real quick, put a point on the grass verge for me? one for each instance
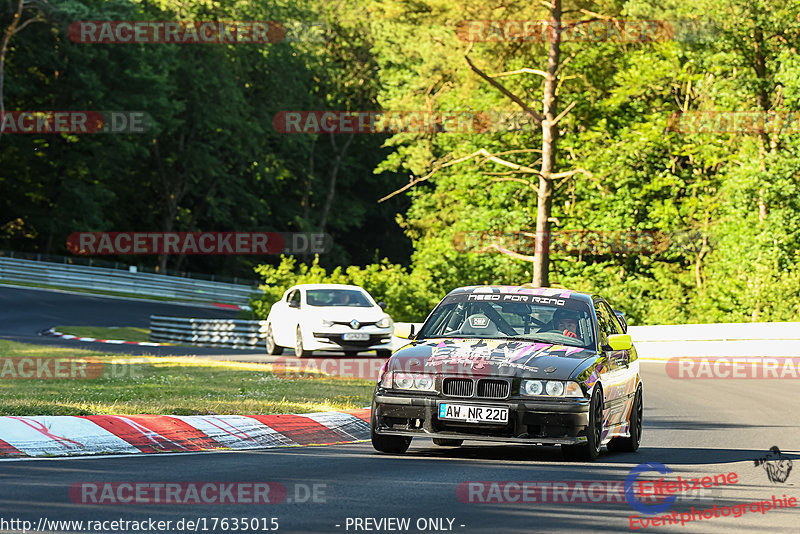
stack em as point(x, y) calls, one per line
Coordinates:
point(168, 386)
point(126, 333)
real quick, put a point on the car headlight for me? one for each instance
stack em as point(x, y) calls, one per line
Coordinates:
point(403, 381)
point(326, 322)
point(385, 322)
point(386, 376)
point(555, 388)
point(550, 388)
point(424, 382)
point(411, 381)
point(573, 390)
point(531, 387)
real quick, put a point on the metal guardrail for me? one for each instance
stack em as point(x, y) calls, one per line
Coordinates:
point(230, 333)
point(717, 340)
point(652, 342)
point(94, 261)
point(105, 279)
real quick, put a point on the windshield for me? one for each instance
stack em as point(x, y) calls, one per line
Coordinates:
point(337, 297)
point(529, 318)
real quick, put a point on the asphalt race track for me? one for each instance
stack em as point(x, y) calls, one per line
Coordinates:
point(26, 312)
point(695, 427)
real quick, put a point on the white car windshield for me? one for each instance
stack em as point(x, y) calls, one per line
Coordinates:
point(337, 297)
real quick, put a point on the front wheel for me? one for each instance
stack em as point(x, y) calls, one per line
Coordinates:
point(272, 348)
point(594, 432)
point(383, 353)
point(388, 444)
point(299, 351)
point(631, 444)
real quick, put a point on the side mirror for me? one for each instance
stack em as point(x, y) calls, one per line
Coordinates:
point(620, 342)
point(293, 304)
point(621, 317)
point(382, 305)
point(404, 330)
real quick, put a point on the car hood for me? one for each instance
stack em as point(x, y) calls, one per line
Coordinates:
point(491, 357)
point(346, 313)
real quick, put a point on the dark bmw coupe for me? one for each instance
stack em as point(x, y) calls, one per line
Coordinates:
point(513, 364)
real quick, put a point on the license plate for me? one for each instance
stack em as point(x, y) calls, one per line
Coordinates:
point(473, 414)
point(355, 336)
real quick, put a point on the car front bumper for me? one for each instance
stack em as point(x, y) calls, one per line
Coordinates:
point(333, 339)
point(529, 421)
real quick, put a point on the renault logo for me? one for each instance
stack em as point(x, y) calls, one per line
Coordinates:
point(355, 325)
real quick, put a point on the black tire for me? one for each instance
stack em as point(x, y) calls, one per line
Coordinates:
point(594, 432)
point(299, 351)
point(631, 444)
point(272, 348)
point(442, 442)
point(383, 353)
point(387, 444)
point(351, 353)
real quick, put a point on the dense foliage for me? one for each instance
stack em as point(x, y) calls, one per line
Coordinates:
point(718, 212)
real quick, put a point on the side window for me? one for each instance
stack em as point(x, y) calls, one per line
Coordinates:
point(294, 298)
point(606, 322)
point(612, 319)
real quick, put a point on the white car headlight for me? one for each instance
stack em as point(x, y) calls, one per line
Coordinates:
point(423, 382)
point(403, 381)
point(326, 322)
point(550, 388)
point(555, 388)
point(417, 382)
point(385, 322)
point(531, 387)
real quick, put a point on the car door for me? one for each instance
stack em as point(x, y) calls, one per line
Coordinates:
point(285, 323)
point(619, 380)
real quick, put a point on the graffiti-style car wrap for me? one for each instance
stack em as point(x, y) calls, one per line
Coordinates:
point(513, 364)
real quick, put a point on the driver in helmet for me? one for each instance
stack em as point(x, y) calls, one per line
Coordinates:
point(566, 323)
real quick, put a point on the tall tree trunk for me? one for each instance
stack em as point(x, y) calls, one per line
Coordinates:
point(10, 31)
point(305, 202)
point(541, 264)
point(333, 173)
point(762, 98)
point(173, 193)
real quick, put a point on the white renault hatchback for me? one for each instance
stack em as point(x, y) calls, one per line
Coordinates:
point(336, 317)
